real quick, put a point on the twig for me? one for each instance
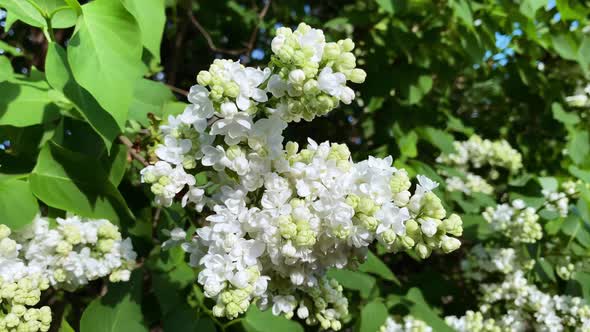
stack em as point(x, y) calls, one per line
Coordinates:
point(177, 90)
point(240, 51)
point(156, 219)
point(261, 16)
point(132, 150)
point(178, 42)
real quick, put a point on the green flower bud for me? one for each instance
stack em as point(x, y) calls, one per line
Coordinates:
point(233, 152)
point(4, 231)
point(339, 152)
point(367, 206)
point(287, 228)
point(453, 225)
point(346, 61)
point(218, 311)
point(311, 87)
point(204, 78)
point(336, 325)
point(189, 162)
point(331, 51)
point(232, 310)
point(407, 242)
point(59, 275)
point(72, 234)
point(109, 231)
point(422, 250)
point(19, 309)
point(369, 222)
point(353, 200)
point(291, 148)
point(232, 90)
point(389, 236)
point(413, 229)
point(347, 45)
point(357, 76)
point(450, 244)
point(45, 315)
point(105, 246)
point(432, 206)
point(63, 248)
point(296, 202)
point(226, 297)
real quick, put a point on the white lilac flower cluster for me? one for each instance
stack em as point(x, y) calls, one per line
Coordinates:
point(581, 99)
point(67, 256)
point(525, 308)
point(472, 183)
point(478, 153)
point(546, 312)
point(558, 201)
point(481, 262)
point(278, 216)
point(517, 221)
point(18, 296)
point(474, 321)
point(408, 324)
point(509, 302)
point(565, 265)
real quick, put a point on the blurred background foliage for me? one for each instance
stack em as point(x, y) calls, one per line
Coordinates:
point(437, 71)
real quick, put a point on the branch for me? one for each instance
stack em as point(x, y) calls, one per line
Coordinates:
point(240, 51)
point(132, 151)
point(261, 16)
point(177, 90)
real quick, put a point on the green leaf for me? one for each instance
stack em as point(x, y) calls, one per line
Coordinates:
point(116, 163)
point(564, 117)
point(373, 316)
point(579, 173)
point(475, 227)
point(579, 146)
point(548, 183)
point(18, 206)
point(65, 326)
point(544, 270)
point(6, 71)
point(105, 55)
point(7, 48)
point(75, 5)
point(149, 97)
point(25, 103)
point(24, 11)
point(386, 5)
point(529, 7)
point(172, 108)
point(60, 78)
point(169, 288)
point(264, 321)
point(77, 183)
point(572, 10)
point(439, 138)
point(151, 17)
point(118, 310)
point(374, 265)
point(419, 89)
point(584, 55)
point(565, 46)
point(422, 310)
point(462, 9)
point(359, 281)
point(407, 144)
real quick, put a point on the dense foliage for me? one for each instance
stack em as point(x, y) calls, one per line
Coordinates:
point(146, 184)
